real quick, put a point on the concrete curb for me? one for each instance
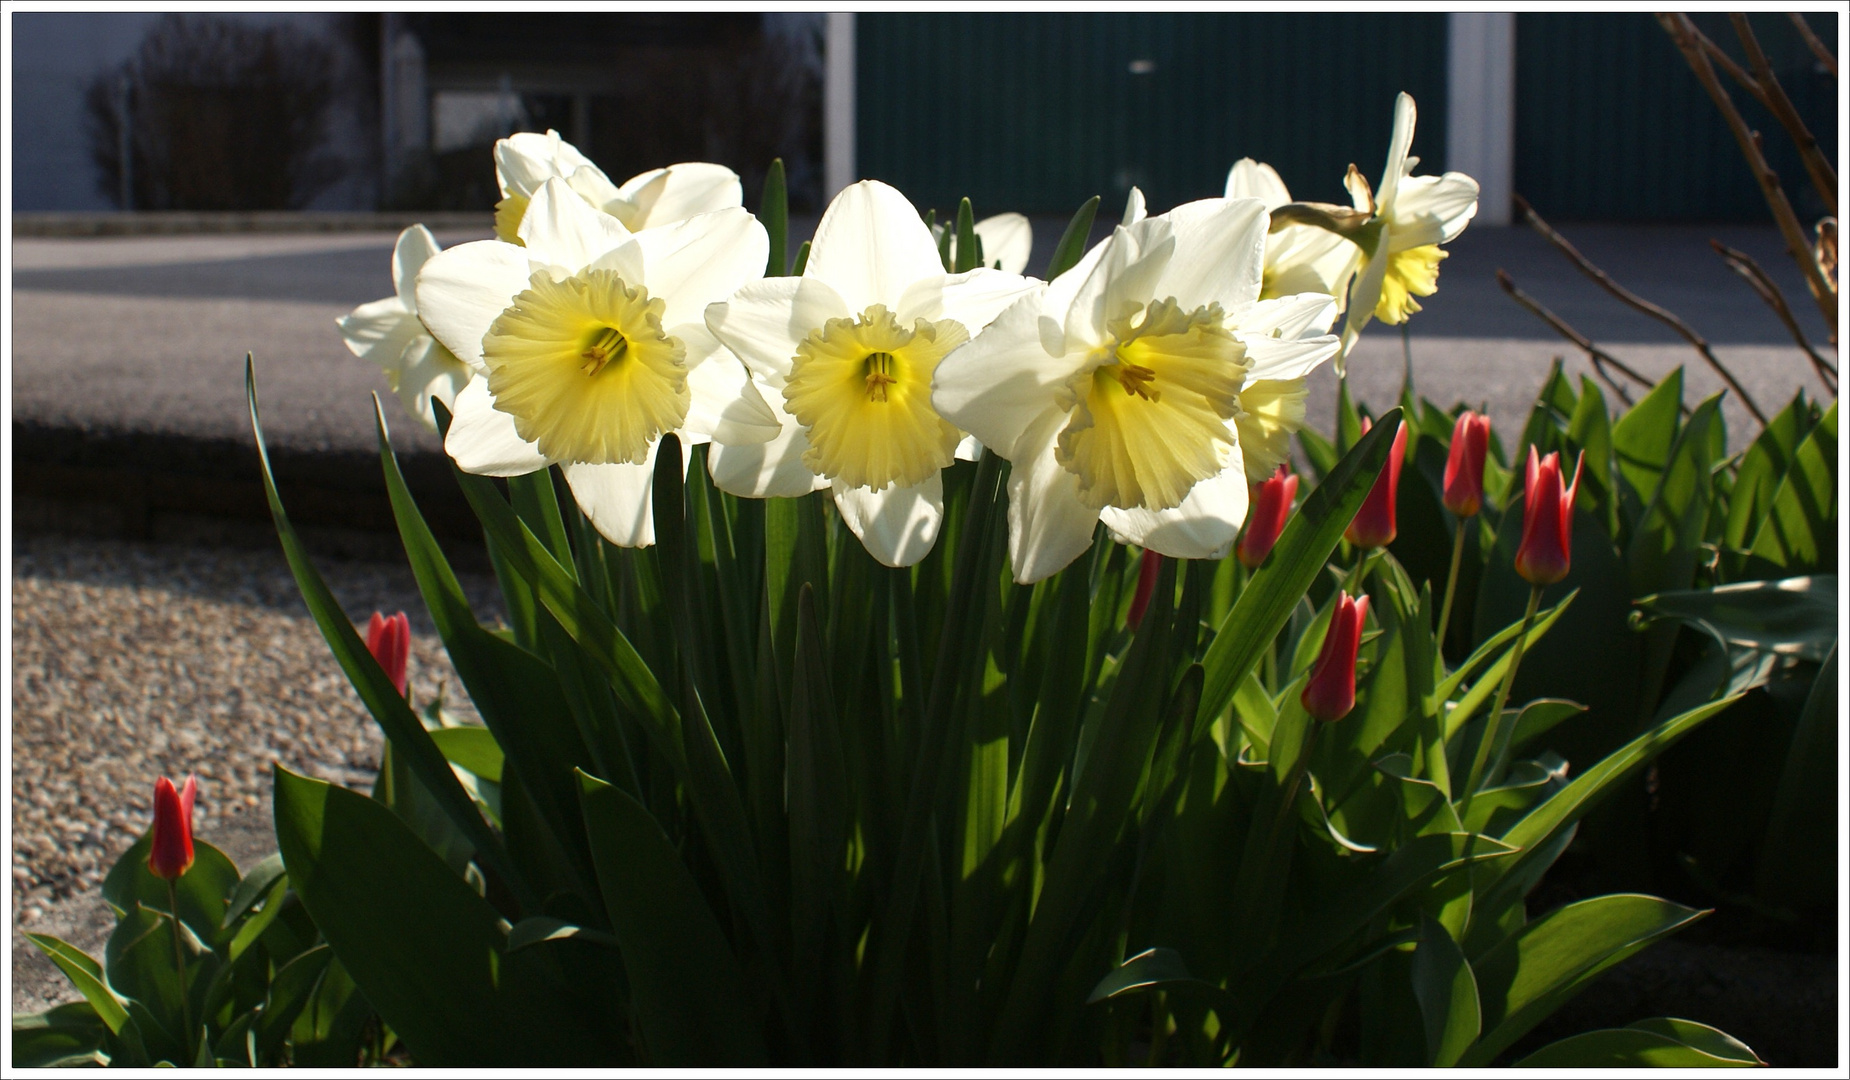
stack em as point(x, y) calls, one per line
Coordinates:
point(186, 222)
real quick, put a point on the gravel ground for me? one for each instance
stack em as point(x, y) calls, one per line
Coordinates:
point(132, 661)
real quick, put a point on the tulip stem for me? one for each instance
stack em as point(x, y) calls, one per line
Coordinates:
point(1496, 732)
point(1451, 582)
point(179, 963)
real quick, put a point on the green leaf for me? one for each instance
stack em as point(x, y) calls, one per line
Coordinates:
point(290, 992)
point(1800, 530)
point(1762, 467)
point(473, 748)
point(1624, 1048)
point(1266, 603)
point(1702, 1037)
point(685, 985)
point(381, 697)
point(68, 1034)
point(1072, 245)
point(86, 975)
point(425, 950)
point(1319, 451)
point(254, 886)
point(1584, 792)
point(1791, 617)
point(1663, 549)
point(1447, 992)
point(1157, 969)
point(139, 961)
point(774, 215)
point(1643, 435)
point(538, 928)
point(253, 928)
point(802, 260)
point(1540, 967)
point(967, 257)
point(202, 890)
point(1798, 858)
point(1539, 717)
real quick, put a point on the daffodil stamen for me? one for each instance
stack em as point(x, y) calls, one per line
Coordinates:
point(862, 388)
point(1151, 415)
point(583, 367)
point(607, 345)
point(879, 375)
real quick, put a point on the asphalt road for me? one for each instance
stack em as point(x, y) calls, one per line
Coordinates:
point(149, 334)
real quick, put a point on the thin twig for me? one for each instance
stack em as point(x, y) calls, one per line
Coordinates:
point(1743, 264)
point(1817, 47)
point(1683, 32)
point(1823, 174)
point(1597, 355)
point(1639, 304)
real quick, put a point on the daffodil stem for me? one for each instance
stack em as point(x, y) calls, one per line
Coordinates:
point(1451, 581)
point(1496, 732)
point(179, 963)
point(1406, 356)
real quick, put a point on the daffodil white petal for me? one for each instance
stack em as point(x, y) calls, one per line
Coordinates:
point(463, 290)
point(973, 299)
point(429, 370)
point(1249, 179)
point(1289, 317)
point(1363, 295)
point(617, 498)
point(1306, 259)
point(562, 229)
point(870, 245)
point(1432, 210)
point(1008, 240)
point(766, 470)
point(379, 331)
point(1219, 254)
point(1003, 381)
point(482, 439)
point(724, 404)
point(694, 262)
point(1203, 527)
point(1134, 210)
point(1126, 273)
point(414, 248)
point(968, 449)
point(1398, 146)
point(1048, 526)
point(897, 525)
point(527, 159)
point(1275, 358)
point(681, 191)
point(766, 320)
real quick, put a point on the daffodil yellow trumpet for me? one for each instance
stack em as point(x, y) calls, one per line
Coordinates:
point(1145, 387)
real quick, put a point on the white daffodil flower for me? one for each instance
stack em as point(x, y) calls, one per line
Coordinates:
point(1409, 217)
point(1298, 258)
point(846, 353)
point(525, 161)
point(1117, 390)
point(589, 346)
point(388, 333)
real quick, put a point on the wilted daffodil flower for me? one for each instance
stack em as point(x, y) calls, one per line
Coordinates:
point(525, 161)
point(1116, 390)
point(388, 333)
point(590, 344)
point(846, 353)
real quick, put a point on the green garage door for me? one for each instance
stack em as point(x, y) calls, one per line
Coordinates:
point(1612, 124)
point(1036, 113)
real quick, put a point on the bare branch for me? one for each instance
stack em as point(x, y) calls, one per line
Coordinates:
point(1639, 304)
point(1727, 64)
point(1743, 264)
point(1817, 47)
point(1773, 96)
point(1597, 355)
point(1684, 34)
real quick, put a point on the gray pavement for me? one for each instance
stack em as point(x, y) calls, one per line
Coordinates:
point(147, 335)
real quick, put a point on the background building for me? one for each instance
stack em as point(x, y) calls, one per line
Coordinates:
point(1590, 116)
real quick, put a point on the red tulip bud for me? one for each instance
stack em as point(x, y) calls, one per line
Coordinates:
point(1373, 525)
point(171, 853)
point(1330, 693)
point(1547, 521)
point(1147, 570)
point(1464, 465)
point(389, 640)
point(1265, 519)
